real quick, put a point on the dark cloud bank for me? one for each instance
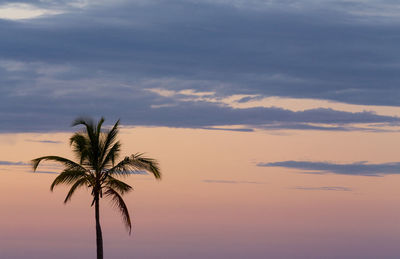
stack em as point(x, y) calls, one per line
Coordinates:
point(98, 60)
point(194, 115)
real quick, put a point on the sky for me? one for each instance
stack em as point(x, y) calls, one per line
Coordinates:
point(276, 123)
point(224, 194)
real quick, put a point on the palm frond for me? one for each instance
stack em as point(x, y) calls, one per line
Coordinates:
point(118, 185)
point(121, 168)
point(119, 203)
point(151, 164)
point(112, 154)
point(99, 124)
point(68, 176)
point(109, 149)
point(79, 183)
point(135, 163)
point(89, 124)
point(64, 161)
point(94, 139)
point(86, 121)
point(80, 145)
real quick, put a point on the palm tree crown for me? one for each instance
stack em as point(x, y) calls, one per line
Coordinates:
point(97, 151)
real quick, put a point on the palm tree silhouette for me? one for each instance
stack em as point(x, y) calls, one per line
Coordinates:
point(97, 151)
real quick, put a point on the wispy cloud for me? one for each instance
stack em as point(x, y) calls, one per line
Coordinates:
point(323, 188)
point(13, 163)
point(230, 129)
point(44, 172)
point(19, 11)
point(358, 168)
point(383, 127)
point(231, 182)
point(139, 172)
point(44, 141)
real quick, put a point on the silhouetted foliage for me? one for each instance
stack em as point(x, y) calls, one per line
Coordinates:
point(97, 151)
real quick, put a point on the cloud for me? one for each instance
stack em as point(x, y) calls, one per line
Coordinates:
point(60, 6)
point(358, 168)
point(328, 127)
point(231, 182)
point(323, 188)
point(18, 11)
point(183, 114)
point(12, 163)
point(230, 129)
point(98, 57)
point(205, 114)
point(43, 172)
point(137, 172)
point(44, 141)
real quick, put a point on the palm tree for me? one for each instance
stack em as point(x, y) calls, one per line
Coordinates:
point(97, 152)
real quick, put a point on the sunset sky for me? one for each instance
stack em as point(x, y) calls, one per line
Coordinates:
point(276, 124)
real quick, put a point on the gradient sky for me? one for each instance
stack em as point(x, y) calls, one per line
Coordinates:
point(276, 122)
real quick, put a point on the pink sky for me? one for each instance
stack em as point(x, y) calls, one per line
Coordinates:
point(213, 200)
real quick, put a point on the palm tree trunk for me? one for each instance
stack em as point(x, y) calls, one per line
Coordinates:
point(99, 236)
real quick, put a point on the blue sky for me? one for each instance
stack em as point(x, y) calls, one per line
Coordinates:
point(173, 63)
